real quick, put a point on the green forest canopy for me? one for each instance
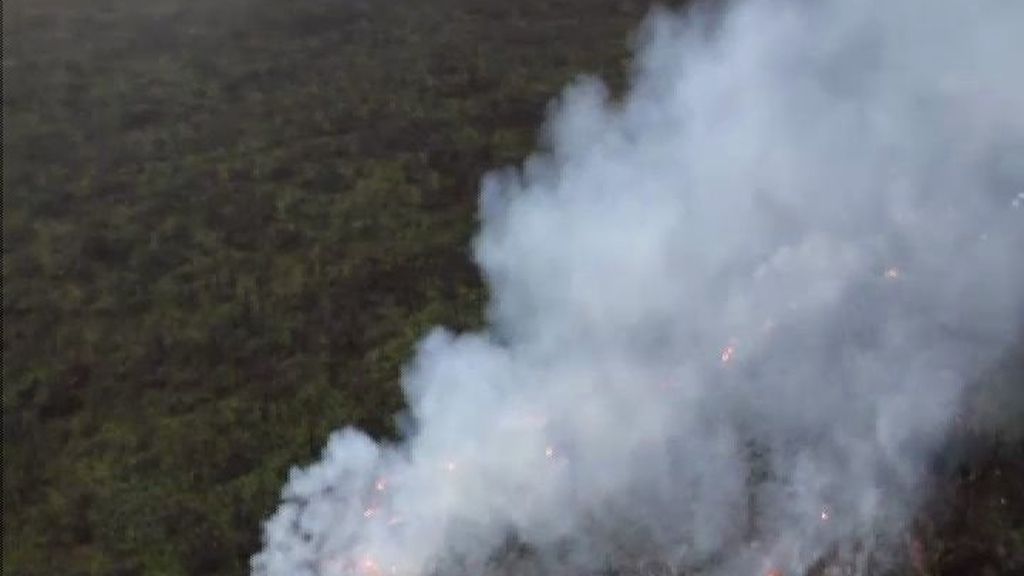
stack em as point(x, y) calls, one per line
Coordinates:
point(225, 226)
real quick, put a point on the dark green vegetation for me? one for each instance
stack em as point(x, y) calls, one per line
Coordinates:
point(225, 225)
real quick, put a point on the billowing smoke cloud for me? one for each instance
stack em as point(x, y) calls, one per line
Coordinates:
point(732, 316)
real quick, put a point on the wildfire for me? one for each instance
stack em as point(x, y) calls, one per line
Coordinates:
point(825, 515)
point(728, 353)
point(369, 566)
point(381, 485)
point(549, 452)
point(774, 572)
point(893, 273)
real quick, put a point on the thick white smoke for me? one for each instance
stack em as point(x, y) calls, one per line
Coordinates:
point(732, 316)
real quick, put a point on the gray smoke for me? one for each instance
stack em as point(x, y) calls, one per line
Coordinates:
point(733, 315)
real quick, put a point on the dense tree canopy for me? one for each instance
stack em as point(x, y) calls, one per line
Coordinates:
point(225, 226)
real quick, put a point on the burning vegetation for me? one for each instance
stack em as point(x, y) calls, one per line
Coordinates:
point(738, 318)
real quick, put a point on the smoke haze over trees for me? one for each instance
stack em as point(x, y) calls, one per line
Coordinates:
point(227, 225)
point(733, 317)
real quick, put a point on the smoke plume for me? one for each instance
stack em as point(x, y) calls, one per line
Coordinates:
point(733, 314)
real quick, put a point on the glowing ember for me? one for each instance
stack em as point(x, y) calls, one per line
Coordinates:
point(728, 353)
point(825, 515)
point(774, 572)
point(893, 273)
point(370, 567)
